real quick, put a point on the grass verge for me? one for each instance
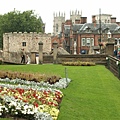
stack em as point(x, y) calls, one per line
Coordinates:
point(93, 94)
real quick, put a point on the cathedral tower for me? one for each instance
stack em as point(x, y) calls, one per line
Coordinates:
point(75, 15)
point(57, 22)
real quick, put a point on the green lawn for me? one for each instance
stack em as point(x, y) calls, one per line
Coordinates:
point(93, 94)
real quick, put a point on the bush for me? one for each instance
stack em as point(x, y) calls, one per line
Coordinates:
point(37, 77)
point(78, 63)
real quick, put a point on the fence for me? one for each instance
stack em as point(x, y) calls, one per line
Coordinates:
point(113, 64)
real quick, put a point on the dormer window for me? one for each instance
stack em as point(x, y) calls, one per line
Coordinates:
point(99, 30)
point(87, 29)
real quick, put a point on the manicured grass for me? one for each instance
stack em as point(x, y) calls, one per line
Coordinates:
point(93, 94)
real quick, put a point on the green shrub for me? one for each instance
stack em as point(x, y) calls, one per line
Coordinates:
point(78, 63)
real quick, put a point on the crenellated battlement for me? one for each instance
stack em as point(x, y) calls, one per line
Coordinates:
point(59, 19)
point(26, 33)
point(76, 12)
point(60, 14)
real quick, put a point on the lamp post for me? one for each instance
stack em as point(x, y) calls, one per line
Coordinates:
point(109, 35)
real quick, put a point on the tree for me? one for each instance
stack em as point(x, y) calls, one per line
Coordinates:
point(16, 21)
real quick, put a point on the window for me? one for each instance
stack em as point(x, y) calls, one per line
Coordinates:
point(119, 42)
point(116, 42)
point(66, 35)
point(56, 27)
point(83, 42)
point(88, 41)
point(92, 42)
point(23, 43)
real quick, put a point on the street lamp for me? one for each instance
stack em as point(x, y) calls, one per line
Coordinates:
point(109, 35)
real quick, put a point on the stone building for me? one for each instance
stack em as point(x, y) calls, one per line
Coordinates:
point(75, 15)
point(14, 42)
point(57, 23)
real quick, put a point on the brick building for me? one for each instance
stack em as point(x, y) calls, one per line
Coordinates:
point(89, 36)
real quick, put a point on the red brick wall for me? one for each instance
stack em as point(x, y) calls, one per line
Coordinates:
point(68, 22)
point(77, 21)
point(83, 20)
point(113, 20)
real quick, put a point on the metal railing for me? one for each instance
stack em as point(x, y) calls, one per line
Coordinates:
point(113, 64)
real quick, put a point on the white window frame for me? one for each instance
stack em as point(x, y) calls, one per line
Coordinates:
point(92, 41)
point(88, 42)
point(83, 41)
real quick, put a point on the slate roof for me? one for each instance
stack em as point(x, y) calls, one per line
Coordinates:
point(81, 28)
point(94, 28)
point(76, 27)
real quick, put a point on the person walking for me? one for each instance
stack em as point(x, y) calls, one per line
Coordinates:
point(116, 53)
point(22, 56)
point(28, 59)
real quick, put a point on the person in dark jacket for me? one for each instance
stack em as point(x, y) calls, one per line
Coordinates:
point(22, 56)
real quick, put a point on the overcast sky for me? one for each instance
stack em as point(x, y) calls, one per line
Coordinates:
point(46, 8)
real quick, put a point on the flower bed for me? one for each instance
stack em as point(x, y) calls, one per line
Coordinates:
point(78, 63)
point(37, 77)
point(29, 99)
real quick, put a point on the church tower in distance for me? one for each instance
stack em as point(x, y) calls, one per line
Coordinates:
point(57, 23)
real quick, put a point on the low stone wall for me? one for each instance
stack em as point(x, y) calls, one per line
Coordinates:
point(97, 58)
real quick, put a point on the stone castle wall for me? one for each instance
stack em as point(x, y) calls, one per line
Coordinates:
point(14, 42)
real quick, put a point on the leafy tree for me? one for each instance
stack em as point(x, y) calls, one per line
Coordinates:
point(16, 21)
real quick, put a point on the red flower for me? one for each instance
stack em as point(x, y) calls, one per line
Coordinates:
point(35, 104)
point(25, 101)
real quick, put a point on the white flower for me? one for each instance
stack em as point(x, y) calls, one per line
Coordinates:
point(12, 104)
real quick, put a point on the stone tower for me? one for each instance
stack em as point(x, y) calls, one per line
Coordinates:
point(57, 22)
point(75, 15)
